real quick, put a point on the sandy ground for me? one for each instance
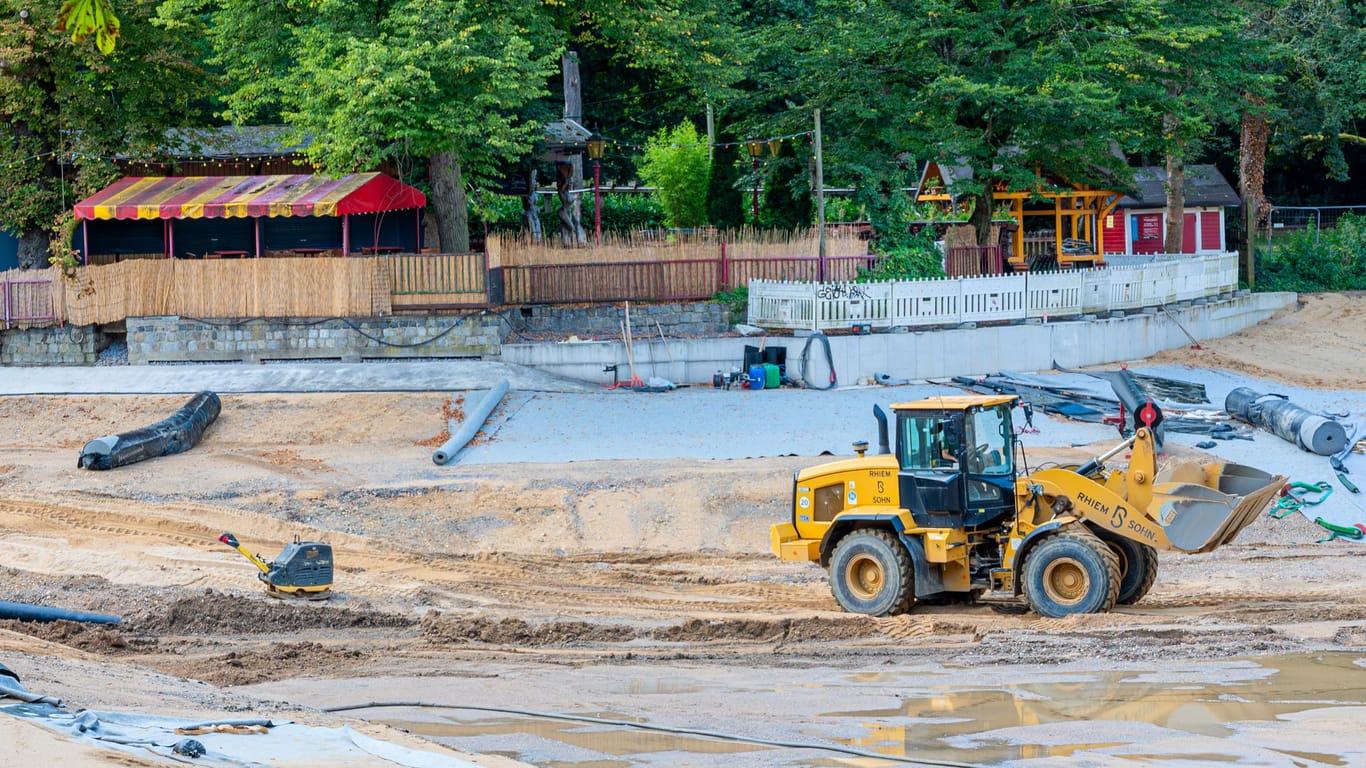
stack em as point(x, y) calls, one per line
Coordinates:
point(444, 572)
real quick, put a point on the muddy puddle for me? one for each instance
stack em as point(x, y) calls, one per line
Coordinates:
point(1303, 710)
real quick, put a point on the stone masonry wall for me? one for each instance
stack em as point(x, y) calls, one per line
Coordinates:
point(697, 319)
point(68, 345)
point(176, 339)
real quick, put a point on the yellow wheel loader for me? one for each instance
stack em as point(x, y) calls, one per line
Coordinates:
point(952, 514)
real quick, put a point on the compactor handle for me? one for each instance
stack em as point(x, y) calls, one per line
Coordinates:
point(230, 540)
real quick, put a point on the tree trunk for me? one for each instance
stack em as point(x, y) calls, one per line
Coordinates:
point(983, 206)
point(33, 248)
point(1252, 161)
point(1252, 183)
point(448, 203)
point(1176, 203)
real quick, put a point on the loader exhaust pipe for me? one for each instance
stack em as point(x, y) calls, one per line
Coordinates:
point(883, 444)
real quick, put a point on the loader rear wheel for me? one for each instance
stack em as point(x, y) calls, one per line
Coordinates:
point(1072, 571)
point(870, 572)
point(1137, 568)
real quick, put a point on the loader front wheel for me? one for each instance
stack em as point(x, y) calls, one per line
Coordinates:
point(1137, 568)
point(870, 572)
point(1072, 571)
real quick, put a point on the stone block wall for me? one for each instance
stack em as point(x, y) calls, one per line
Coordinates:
point(604, 321)
point(178, 339)
point(67, 345)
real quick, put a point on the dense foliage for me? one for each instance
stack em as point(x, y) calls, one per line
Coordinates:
point(453, 96)
point(1310, 260)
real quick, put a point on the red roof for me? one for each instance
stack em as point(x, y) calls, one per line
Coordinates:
point(226, 197)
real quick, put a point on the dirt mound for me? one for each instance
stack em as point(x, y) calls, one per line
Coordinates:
point(448, 630)
point(217, 613)
point(284, 660)
point(94, 638)
point(443, 630)
point(788, 630)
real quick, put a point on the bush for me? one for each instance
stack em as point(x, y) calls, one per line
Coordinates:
point(676, 164)
point(1336, 262)
point(913, 257)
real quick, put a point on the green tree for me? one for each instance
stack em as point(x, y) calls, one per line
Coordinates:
point(725, 203)
point(1310, 55)
point(420, 85)
point(66, 111)
point(787, 192)
point(1176, 64)
point(676, 163)
point(1018, 91)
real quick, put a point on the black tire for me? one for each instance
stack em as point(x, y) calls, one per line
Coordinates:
point(1071, 571)
point(870, 572)
point(1137, 569)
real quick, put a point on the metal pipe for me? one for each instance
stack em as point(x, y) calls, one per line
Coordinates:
point(1279, 416)
point(26, 612)
point(473, 421)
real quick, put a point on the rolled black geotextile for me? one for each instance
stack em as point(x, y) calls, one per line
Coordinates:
point(176, 434)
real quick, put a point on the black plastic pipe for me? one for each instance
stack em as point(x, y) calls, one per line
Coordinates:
point(26, 612)
point(176, 434)
point(1279, 416)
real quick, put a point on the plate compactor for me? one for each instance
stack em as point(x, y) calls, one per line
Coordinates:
point(303, 569)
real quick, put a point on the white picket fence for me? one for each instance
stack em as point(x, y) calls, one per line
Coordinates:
point(1158, 280)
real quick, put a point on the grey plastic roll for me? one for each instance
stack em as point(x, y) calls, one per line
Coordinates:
point(1276, 414)
point(473, 421)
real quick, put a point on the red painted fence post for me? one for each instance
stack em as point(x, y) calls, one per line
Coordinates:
point(725, 268)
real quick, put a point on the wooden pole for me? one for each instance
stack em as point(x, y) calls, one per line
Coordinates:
point(820, 195)
point(711, 135)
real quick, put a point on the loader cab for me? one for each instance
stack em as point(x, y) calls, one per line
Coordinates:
point(957, 460)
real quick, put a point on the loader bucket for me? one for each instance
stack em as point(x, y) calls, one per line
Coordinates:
point(1201, 507)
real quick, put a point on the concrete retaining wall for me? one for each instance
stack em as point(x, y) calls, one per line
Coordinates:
point(177, 339)
point(924, 354)
point(69, 345)
point(695, 319)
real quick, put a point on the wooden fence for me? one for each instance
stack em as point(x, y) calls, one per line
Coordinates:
point(512, 272)
point(27, 298)
point(691, 267)
point(918, 303)
point(425, 281)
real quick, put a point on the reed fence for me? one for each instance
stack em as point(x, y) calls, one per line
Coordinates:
point(303, 287)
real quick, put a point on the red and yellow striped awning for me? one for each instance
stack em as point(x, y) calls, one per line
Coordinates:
point(227, 197)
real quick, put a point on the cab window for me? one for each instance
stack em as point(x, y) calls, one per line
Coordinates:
point(988, 433)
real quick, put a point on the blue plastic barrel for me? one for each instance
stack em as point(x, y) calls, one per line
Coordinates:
point(756, 376)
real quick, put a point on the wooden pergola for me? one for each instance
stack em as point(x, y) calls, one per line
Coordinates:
point(1078, 212)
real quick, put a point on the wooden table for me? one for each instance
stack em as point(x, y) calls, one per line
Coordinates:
point(308, 251)
point(374, 249)
point(226, 255)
